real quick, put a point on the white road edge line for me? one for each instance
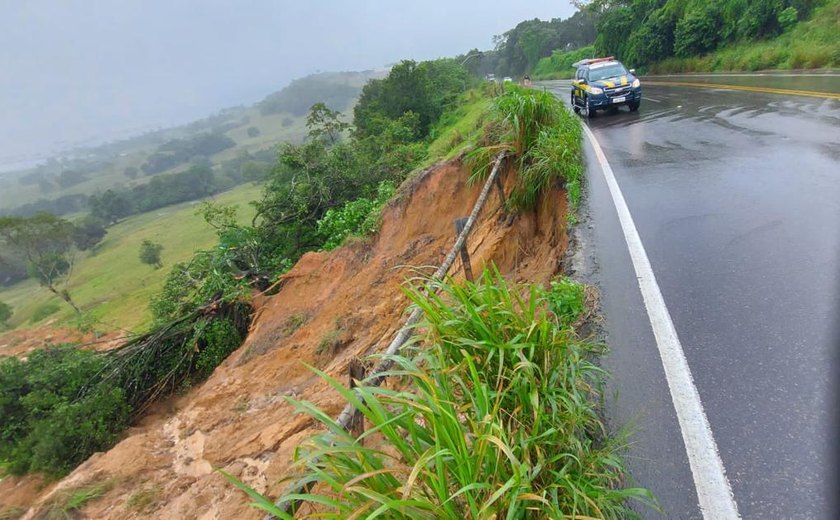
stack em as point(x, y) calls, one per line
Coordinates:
point(713, 490)
point(651, 99)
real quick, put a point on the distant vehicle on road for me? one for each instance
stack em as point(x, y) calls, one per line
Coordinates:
point(507, 79)
point(604, 83)
point(490, 77)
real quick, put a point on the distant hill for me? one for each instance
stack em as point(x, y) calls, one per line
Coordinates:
point(337, 90)
point(62, 185)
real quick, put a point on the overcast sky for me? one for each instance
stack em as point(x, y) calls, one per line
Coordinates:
point(78, 70)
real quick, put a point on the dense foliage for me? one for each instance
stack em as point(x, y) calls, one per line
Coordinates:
point(50, 424)
point(196, 182)
point(641, 32)
point(425, 90)
point(358, 217)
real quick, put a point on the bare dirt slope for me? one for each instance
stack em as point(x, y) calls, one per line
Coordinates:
point(330, 308)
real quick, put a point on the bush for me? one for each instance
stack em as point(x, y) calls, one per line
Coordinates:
point(220, 338)
point(150, 253)
point(51, 420)
point(44, 311)
point(788, 18)
point(358, 217)
point(5, 312)
point(542, 137)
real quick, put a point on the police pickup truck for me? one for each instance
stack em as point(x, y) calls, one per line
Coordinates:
point(604, 83)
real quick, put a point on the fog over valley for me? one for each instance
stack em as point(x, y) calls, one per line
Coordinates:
point(81, 73)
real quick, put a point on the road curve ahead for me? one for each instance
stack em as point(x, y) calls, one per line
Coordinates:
point(735, 199)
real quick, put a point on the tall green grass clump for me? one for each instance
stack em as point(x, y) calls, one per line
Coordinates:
point(497, 417)
point(543, 138)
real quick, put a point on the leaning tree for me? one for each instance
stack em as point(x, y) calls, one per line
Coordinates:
point(47, 243)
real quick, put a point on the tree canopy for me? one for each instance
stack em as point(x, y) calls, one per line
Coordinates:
point(46, 242)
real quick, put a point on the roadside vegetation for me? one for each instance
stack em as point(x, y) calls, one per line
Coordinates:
point(809, 44)
point(670, 36)
point(496, 409)
point(678, 36)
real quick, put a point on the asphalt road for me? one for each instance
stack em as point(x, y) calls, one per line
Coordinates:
point(736, 199)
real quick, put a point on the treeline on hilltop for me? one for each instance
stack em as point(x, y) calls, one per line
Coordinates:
point(334, 89)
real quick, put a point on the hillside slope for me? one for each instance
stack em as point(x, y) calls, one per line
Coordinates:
point(330, 307)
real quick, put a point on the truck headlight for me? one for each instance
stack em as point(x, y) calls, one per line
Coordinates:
point(595, 90)
point(636, 83)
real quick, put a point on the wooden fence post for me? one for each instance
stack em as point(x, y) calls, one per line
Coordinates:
point(465, 255)
point(356, 371)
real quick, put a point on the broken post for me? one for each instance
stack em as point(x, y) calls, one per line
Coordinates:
point(356, 371)
point(501, 192)
point(465, 255)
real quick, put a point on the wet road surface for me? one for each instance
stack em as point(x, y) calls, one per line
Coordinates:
point(736, 198)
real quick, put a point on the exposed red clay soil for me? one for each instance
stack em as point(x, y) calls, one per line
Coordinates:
point(20, 342)
point(349, 301)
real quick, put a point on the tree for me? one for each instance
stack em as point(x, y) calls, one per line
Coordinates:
point(5, 313)
point(150, 253)
point(110, 206)
point(697, 32)
point(89, 232)
point(69, 178)
point(425, 89)
point(253, 131)
point(131, 172)
point(46, 241)
point(325, 124)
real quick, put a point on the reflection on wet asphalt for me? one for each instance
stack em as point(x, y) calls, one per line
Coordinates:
point(736, 196)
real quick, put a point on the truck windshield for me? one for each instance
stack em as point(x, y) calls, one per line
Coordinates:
point(610, 71)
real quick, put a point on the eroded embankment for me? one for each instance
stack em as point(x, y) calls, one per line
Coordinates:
point(330, 308)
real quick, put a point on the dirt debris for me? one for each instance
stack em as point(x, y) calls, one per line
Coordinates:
point(238, 419)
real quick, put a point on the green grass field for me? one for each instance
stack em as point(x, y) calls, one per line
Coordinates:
point(112, 284)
